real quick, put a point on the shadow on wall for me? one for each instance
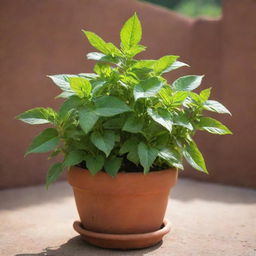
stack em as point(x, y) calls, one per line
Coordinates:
point(78, 247)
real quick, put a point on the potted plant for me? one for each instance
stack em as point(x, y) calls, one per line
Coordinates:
point(124, 131)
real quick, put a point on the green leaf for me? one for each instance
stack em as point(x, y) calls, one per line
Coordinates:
point(44, 142)
point(187, 83)
point(102, 69)
point(81, 86)
point(104, 142)
point(134, 50)
point(38, 116)
point(114, 123)
point(147, 88)
point(177, 64)
point(166, 95)
point(110, 106)
point(87, 119)
point(73, 158)
point(171, 156)
point(147, 156)
point(113, 50)
point(112, 165)
point(164, 63)
point(53, 173)
point(98, 43)
point(162, 117)
point(65, 95)
point(102, 57)
point(205, 94)
point(181, 119)
point(89, 76)
point(194, 157)
point(71, 103)
point(140, 64)
point(133, 124)
point(133, 156)
point(94, 164)
point(179, 97)
point(130, 146)
point(97, 86)
point(131, 33)
point(215, 106)
point(62, 81)
point(213, 126)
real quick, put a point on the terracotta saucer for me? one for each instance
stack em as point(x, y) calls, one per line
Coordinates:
point(123, 241)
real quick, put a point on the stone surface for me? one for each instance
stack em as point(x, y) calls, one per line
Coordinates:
point(207, 219)
point(44, 37)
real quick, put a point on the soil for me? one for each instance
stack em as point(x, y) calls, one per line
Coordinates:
point(128, 166)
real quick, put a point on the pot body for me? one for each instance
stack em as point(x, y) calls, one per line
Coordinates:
point(129, 203)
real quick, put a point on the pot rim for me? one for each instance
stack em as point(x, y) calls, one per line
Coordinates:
point(138, 183)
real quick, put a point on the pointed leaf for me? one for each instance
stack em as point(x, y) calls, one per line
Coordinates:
point(114, 123)
point(171, 156)
point(96, 41)
point(104, 142)
point(94, 164)
point(164, 118)
point(213, 126)
point(187, 83)
point(38, 116)
point(177, 64)
point(112, 165)
point(215, 106)
point(134, 50)
point(133, 124)
point(164, 63)
point(130, 146)
point(194, 157)
point(147, 156)
point(181, 119)
point(73, 158)
point(147, 88)
point(131, 33)
point(110, 106)
point(44, 142)
point(102, 57)
point(81, 86)
point(72, 103)
point(87, 119)
point(53, 173)
point(205, 94)
point(62, 81)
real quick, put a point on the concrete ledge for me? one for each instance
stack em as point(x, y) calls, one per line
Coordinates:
point(207, 220)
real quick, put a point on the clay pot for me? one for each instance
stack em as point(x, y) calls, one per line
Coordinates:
point(130, 203)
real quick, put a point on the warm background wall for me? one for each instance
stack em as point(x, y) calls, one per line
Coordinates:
point(44, 37)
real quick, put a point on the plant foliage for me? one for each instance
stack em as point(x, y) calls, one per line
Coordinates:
point(125, 112)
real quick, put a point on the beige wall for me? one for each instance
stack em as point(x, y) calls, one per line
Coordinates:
point(44, 37)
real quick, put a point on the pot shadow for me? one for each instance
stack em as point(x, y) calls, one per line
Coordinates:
point(76, 246)
point(188, 189)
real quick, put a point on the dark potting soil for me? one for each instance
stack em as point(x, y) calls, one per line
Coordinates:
point(128, 166)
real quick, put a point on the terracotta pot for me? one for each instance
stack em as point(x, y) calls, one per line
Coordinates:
point(130, 203)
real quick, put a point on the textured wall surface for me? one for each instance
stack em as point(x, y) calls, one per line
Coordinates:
point(44, 37)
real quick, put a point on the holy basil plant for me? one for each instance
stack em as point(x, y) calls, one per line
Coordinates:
point(125, 116)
